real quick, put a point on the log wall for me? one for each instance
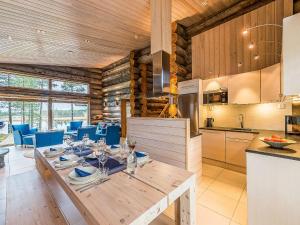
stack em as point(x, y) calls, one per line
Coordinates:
point(82, 75)
point(120, 81)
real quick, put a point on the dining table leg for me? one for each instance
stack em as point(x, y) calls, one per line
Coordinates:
point(188, 206)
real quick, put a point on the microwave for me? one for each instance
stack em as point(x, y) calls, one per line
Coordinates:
point(215, 97)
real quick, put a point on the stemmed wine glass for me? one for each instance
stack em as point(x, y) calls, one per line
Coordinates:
point(85, 139)
point(102, 158)
point(70, 144)
point(131, 143)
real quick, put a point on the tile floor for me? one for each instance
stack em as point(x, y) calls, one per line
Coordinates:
point(221, 197)
point(221, 193)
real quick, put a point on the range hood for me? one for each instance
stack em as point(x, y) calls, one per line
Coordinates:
point(161, 73)
point(161, 45)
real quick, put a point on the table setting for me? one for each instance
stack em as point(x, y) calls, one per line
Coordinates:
point(93, 162)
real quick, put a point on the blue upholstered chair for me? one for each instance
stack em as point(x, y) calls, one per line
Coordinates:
point(23, 135)
point(90, 131)
point(112, 135)
point(48, 138)
point(74, 125)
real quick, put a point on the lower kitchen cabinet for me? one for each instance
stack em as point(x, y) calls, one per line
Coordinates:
point(213, 145)
point(236, 151)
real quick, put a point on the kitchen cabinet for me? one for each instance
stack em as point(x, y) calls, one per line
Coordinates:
point(270, 83)
point(213, 145)
point(244, 88)
point(236, 145)
point(290, 55)
point(215, 84)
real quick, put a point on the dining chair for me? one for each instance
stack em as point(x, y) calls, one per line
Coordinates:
point(112, 136)
point(74, 125)
point(48, 138)
point(89, 130)
point(22, 134)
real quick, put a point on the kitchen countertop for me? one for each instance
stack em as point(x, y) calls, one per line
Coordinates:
point(289, 152)
point(231, 129)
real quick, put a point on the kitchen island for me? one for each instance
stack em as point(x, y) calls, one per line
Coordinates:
point(124, 199)
point(273, 181)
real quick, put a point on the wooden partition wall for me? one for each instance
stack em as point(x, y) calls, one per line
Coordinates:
point(225, 50)
point(82, 75)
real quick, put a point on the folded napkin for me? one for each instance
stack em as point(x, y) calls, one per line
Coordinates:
point(113, 165)
point(81, 173)
point(114, 146)
point(61, 158)
point(84, 152)
point(140, 154)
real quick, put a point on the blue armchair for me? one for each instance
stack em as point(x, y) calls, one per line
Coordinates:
point(43, 139)
point(112, 136)
point(23, 135)
point(90, 131)
point(74, 125)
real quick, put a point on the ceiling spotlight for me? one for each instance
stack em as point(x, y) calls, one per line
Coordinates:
point(240, 64)
point(136, 36)
point(251, 46)
point(245, 32)
point(87, 41)
point(9, 37)
point(256, 57)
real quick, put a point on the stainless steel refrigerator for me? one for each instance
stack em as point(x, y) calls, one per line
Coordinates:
point(188, 107)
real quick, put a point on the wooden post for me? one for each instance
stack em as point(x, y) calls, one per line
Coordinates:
point(143, 68)
point(123, 117)
point(132, 85)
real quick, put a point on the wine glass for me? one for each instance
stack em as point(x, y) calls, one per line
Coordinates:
point(85, 139)
point(101, 142)
point(70, 144)
point(131, 143)
point(102, 157)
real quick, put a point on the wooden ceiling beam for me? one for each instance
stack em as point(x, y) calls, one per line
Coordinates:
point(230, 13)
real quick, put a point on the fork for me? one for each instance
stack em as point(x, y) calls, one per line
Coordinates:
point(93, 184)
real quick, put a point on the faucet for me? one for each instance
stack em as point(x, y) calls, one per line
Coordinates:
point(241, 119)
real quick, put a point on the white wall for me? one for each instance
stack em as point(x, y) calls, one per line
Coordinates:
point(266, 116)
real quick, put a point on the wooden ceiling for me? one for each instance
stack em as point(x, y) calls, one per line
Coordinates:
point(83, 33)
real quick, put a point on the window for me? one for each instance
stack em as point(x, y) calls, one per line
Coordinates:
point(13, 80)
point(18, 112)
point(63, 113)
point(67, 86)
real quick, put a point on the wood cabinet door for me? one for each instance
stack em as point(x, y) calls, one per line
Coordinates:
point(213, 145)
point(244, 88)
point(236, 151)
point(215, 83)
point(270, 83)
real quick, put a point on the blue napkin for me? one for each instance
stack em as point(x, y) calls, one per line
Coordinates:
point(53, 149)
point(61, 158)
point(113, 165)
point(140, 155)
point(114, 146)
point(84, 152)
point(82, 173)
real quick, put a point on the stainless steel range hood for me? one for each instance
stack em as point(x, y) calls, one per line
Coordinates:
point(161, 73)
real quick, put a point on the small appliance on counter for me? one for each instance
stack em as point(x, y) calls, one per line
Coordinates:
point(215, 97)
point(209, 122)
point(292, 124)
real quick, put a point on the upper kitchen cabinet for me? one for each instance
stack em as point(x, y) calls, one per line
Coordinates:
point(215, 84)
point(270, 83)
point(244, 88)
point(291, 55)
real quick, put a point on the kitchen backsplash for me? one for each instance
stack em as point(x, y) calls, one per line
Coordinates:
point(268, 116)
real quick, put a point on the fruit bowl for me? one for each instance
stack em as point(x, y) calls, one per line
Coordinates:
point(277, 142)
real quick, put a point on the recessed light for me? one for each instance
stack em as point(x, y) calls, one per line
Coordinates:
point(9, 37)
point(245, 32)
point(256, 57)
point(87, 41)
point(136, 36)
point(251, 46)
point(240, 64)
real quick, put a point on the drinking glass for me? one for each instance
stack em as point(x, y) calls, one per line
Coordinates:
point(102, 157)
point(131, 143)
point(85, 139)
point(101, 142)
point(70, 145)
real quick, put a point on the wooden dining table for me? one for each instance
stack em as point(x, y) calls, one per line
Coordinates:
point(136, 199)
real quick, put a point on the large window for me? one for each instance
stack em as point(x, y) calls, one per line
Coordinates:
point(18, 112)
point(13, 80)
point(63, 113)
point(67, 86)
